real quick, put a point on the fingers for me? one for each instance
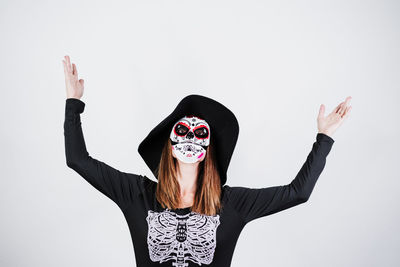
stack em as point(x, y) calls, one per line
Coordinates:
point(74, 70)
point(65, 68)
point(348, 100)
point(336, 110)
point(340, 110)
point(68, 63)
point(344, 107)
point(321, 111)
point(347, 112)
point(68, 68)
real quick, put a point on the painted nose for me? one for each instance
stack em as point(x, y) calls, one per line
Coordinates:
point(190, 135)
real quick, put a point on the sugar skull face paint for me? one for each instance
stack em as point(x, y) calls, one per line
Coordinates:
point(190, 137)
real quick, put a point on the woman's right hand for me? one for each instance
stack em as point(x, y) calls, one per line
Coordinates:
point(73, 85)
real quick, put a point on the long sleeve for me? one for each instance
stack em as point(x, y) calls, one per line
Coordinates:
point(253, 203)
point(119, 186)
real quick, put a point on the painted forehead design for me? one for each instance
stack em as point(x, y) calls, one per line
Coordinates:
point(192, 120)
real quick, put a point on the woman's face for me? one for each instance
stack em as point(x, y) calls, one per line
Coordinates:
point(190, 137)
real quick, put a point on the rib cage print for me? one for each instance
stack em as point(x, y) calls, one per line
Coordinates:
point(181, 238)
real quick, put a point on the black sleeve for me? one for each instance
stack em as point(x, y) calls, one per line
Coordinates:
point(253, 203)
point(119, 186)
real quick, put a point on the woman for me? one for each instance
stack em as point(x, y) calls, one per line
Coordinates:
point(189, 217)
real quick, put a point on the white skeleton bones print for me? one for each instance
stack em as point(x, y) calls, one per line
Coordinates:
point(181, 238)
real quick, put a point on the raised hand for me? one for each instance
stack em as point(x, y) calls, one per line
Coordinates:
point(73, 85)
point(330, 123)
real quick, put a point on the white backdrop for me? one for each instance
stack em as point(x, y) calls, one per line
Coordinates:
point(271, 63)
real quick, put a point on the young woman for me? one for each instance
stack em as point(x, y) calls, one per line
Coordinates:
point(189, 217)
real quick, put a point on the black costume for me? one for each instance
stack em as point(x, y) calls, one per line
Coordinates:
point(180, 237)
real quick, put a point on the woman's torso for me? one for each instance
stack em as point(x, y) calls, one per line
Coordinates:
point(180, 237)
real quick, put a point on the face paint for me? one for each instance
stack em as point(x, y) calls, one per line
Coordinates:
point(190, 137)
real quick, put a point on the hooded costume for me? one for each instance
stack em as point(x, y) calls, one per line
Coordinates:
point(181, 237)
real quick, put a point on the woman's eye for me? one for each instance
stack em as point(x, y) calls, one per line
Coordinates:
point(181, 129)
point(201, 132)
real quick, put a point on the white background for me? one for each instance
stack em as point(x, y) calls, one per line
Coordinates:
point(271, 63)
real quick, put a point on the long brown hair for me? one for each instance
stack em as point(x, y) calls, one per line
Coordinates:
point(208, 188)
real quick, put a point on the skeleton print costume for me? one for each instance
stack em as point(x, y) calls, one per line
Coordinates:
point(181, 237)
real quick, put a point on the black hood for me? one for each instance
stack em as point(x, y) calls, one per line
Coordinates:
point(224, 129)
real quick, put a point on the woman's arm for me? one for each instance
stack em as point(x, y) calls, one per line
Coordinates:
point(119, 186)
point(253, 203)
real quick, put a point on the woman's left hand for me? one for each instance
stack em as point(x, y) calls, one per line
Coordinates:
point(330, 123)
